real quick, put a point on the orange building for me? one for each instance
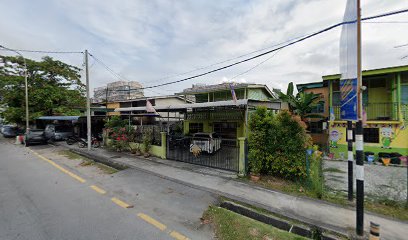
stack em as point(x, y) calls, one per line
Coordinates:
point(317, 127)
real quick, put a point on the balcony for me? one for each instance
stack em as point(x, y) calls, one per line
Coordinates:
point(376, 111)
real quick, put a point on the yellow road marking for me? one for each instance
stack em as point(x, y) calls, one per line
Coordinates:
point(178, 236)
point(152, 221)
point(98, 189)
point(121, 203)
point(59, 167)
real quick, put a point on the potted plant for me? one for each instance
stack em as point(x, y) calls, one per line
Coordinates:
point(255, 166)
point(386, 161)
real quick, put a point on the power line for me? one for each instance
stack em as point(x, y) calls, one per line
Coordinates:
point(281, 47)
point(117, 75)
point(228, 60)
point(287, 44)
point(404, 45)
point(257, 65)
point(390, 22)
point(43, 51)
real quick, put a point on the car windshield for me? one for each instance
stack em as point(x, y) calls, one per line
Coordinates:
point(63, 128)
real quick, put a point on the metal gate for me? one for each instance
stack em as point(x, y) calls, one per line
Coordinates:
point(212, 152)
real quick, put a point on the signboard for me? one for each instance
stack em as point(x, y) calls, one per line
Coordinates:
point(348, 90)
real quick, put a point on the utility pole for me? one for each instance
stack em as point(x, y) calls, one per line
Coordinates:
point(26, 97)
point(350, 158)
point(359, 136)
point(88, 103)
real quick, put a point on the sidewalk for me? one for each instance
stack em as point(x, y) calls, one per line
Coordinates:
point(330, 216)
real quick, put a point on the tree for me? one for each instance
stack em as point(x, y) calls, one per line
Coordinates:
point(300, 104)
point(54, 88)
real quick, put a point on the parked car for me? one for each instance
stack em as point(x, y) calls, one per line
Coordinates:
point(58, 132)
point(207, 142)
point(9, 131)
point(3, 127)
point(34, 136)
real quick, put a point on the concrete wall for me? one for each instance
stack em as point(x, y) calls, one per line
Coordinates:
point(397, 134)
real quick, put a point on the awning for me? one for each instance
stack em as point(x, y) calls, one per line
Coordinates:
point(241, 102)
point(230, 103)
point(60, 118)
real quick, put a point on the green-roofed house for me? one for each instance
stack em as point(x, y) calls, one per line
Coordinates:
point(215, 111)
point(385, 102)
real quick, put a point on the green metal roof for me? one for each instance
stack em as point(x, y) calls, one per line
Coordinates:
point(372, 72)
point(311, 85)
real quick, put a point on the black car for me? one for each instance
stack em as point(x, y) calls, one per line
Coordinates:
point(35, 136)
point(9, 131)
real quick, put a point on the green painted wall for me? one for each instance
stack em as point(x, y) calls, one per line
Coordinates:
point(343, 149)
point(209, 126)
point(378, 95)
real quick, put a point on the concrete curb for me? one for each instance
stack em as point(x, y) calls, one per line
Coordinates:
point(287, 214)
point(304, 231)
point(104, 160)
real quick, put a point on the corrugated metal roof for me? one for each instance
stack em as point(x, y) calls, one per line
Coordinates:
point(241, 102)
point(61, 118)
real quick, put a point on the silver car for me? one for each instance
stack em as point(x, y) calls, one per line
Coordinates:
point(58, 132)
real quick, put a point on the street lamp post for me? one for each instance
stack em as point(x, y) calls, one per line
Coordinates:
point(26, 86)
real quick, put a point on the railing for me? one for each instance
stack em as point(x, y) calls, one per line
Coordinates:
point(404, 111)
point(376, 111)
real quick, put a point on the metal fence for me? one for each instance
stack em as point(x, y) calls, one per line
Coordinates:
point(153, 130)
point(216, 153)
point(376, 111)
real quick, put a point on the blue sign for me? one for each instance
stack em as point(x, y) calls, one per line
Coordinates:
point(348, 91)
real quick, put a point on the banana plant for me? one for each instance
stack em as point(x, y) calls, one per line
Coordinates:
point(300, 104)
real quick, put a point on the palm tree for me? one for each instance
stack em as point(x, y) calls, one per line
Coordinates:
point(300, 104)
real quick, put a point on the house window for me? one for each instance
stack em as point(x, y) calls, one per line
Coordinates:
point(196, 127)
point(336, 99)
point(226, 129)
point(315, 127)
point(319, 108)
point(371, 135)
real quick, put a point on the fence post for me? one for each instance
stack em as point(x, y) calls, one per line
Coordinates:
point(163, 145)
point(242, 167)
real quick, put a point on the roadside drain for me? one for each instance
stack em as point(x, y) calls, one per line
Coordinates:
point(301, 230)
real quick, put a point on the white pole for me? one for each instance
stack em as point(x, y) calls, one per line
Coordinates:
point(88, 102)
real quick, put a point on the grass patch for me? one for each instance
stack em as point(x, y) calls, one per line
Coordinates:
point(70, 155)
point(381, 206)
point(88, 162)
point(231, 226)
point(333, 170)
point(106, 169)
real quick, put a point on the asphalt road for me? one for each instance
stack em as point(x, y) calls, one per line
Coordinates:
point(44, 195)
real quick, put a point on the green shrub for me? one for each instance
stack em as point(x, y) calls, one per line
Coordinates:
point(316, 178)
point(277, 144)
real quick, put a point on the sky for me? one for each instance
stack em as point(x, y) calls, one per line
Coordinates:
point(151, 41)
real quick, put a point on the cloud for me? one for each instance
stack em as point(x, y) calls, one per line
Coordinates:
point(148, 40)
